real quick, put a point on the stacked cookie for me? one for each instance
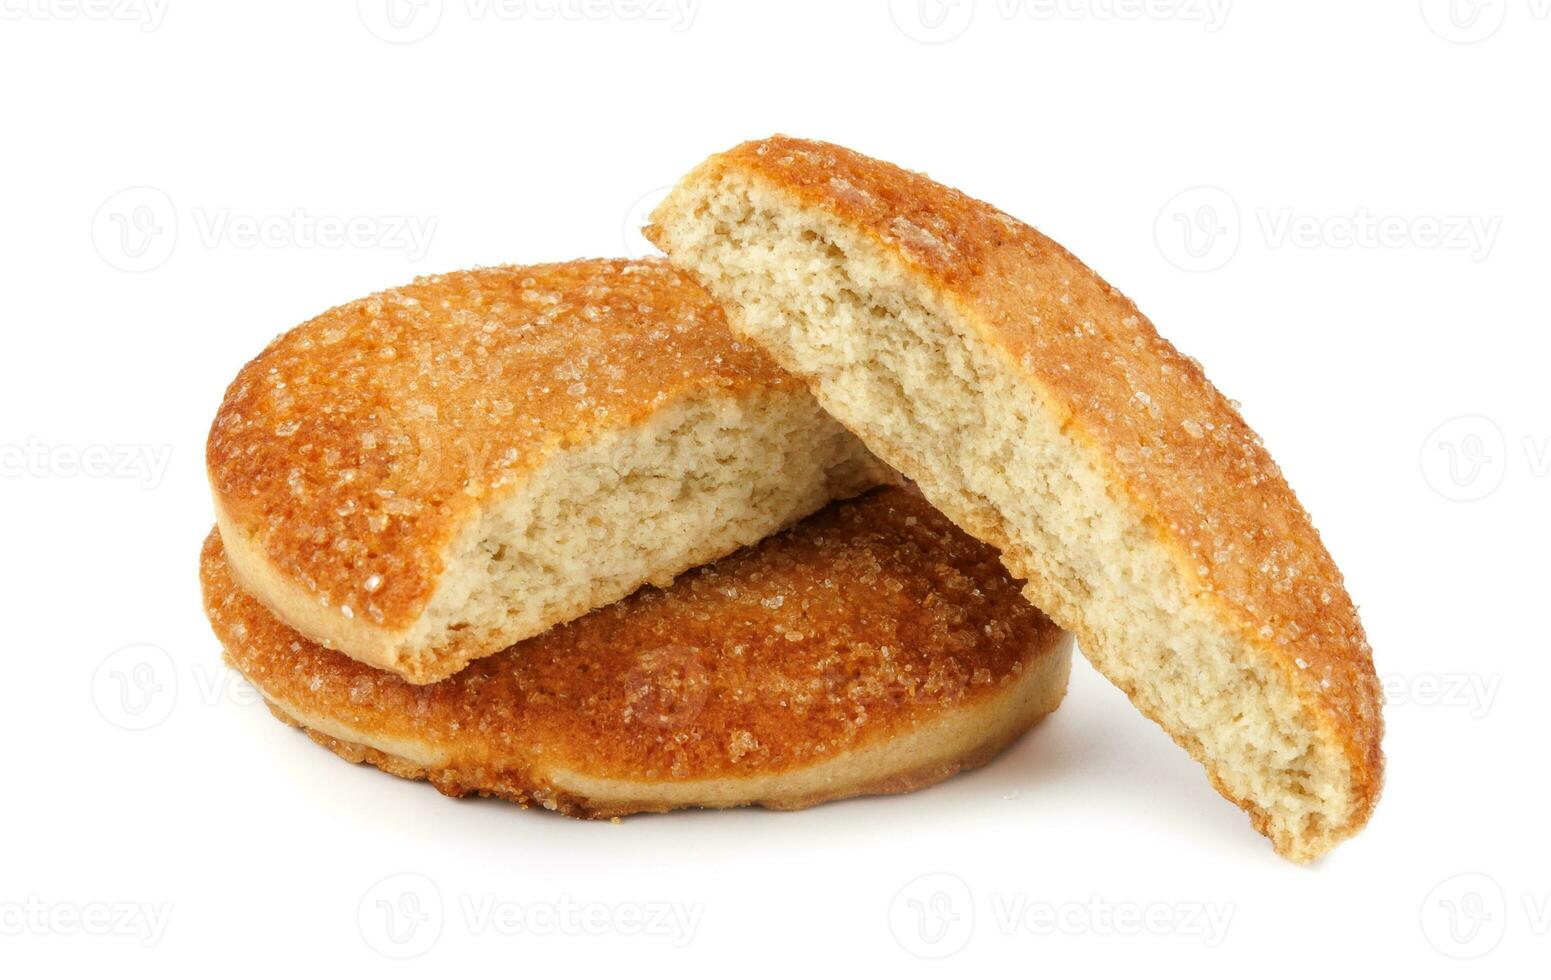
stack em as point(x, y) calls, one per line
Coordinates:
point(456, 528)
point(590, 536)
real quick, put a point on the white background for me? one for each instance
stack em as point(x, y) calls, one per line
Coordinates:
point(1366, 200)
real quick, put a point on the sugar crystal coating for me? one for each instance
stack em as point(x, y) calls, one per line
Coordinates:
point(352, 446)
point(704, 678)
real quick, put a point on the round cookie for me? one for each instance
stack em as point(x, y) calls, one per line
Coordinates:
point(432, 473)
point(1036, 407)
point(873, 648)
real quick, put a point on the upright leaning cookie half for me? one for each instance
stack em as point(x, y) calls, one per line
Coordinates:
point(1039, 410)
point(430, 474)
point(874, 648)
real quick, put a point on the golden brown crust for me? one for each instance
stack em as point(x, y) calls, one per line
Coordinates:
point(859, 625)
point(1168, 439)
point(349, 452)
point(525, 789)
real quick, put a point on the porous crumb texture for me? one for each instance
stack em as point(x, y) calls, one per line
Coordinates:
point(1041, 411)
point(429, 474)
point(874, 647)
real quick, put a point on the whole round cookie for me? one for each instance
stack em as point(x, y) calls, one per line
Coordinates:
point(873, 648)
point(427, 475)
